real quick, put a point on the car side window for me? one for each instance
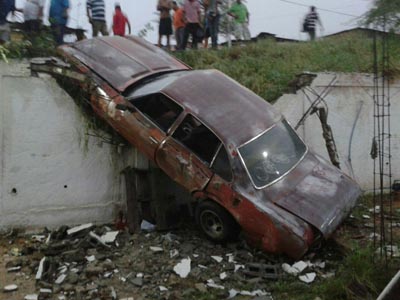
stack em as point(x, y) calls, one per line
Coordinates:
point(198, 138)
point(221, 165)
point(158, 108)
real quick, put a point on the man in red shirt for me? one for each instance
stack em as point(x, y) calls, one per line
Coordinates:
point(120, 21)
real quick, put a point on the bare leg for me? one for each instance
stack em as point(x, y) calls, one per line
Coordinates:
point(205, 43)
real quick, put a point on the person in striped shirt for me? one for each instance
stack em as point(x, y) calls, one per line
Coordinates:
point(96, 13)
point(310, 23)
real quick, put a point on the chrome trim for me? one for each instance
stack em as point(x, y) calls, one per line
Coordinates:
point(258, 135)
point(283, 175)
point(216, 154)
point(152, 139)
point(103, 94)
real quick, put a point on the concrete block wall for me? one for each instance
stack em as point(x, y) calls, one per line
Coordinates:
point(350, 103)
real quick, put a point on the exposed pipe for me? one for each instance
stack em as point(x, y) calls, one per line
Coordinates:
point(351, 139)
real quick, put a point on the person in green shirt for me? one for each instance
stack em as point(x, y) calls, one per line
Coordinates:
point(242, 17)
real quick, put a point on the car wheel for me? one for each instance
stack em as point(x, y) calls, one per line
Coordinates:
point(216, 223)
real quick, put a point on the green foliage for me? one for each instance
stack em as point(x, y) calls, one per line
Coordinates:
point(268, 67)
point(357, 277)
point(31, 46)
point(385, 13)
point(3, 53)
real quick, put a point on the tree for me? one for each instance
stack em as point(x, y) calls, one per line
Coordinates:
point(384, 13)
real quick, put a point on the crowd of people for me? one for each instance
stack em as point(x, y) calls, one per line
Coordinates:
point(58, 18)
point(193, 18)
point(189, 20)
point(199, 21)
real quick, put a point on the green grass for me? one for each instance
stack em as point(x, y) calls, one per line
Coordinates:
point(360, 273)
point(268, 67)
point(357, 277)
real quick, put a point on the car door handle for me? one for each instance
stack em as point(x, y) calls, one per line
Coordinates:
point(153, 140)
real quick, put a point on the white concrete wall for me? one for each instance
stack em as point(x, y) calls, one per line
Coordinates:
point(51, 172)
point(349, 95)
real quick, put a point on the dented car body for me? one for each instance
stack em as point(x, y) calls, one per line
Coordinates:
point(236, 154)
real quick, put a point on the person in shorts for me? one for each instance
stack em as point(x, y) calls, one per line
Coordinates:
point(96, 12)
point(6, 6)
point(242, 18)
point(165, 28)
point(33, 14)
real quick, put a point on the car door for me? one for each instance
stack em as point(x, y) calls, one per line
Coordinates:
point(220, 185)
point(147, 126)
point(187, 154)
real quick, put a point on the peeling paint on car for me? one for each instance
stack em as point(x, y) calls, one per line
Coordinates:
point(310, 200)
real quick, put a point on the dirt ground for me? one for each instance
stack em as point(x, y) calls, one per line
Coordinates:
point(145, 265)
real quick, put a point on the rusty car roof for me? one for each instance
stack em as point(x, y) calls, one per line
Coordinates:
point(122, 61)
point(232, 111)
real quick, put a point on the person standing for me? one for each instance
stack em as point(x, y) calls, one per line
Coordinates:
point(192, 15)
point(96, 12)
point(242, 18)
point(179, 24)
point(310, 23)
point(58, 18)
point(33, 14)
point(6, 6)
point(165, 27)
point(212, 20)
point(120, 21)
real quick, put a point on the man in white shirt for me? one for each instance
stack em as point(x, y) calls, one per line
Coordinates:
point(33, 14)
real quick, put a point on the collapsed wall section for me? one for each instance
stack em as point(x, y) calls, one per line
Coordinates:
point(349, 98)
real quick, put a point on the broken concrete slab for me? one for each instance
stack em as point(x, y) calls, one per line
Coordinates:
point(183, 267)
point(296, 268)
point(39, 272)
point(14, 269)
point(156, 249)
point(218, 259)
point(10, 288)
point(308, 278)
point(109, 237)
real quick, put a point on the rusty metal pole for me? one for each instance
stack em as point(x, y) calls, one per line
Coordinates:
point(328, 137)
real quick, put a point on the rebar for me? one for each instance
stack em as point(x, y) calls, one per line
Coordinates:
point(382, 169)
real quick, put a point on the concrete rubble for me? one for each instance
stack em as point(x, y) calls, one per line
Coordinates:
point(96, 262)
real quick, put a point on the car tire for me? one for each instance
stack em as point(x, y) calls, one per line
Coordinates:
point(215, 222)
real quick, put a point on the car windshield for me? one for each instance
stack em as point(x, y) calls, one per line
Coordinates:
point(271, 155)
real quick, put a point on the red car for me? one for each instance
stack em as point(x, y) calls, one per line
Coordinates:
point(239, 158)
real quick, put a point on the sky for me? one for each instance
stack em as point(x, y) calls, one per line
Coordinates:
point(280, 17)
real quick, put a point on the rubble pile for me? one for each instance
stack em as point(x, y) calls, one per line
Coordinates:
point(97, 262)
